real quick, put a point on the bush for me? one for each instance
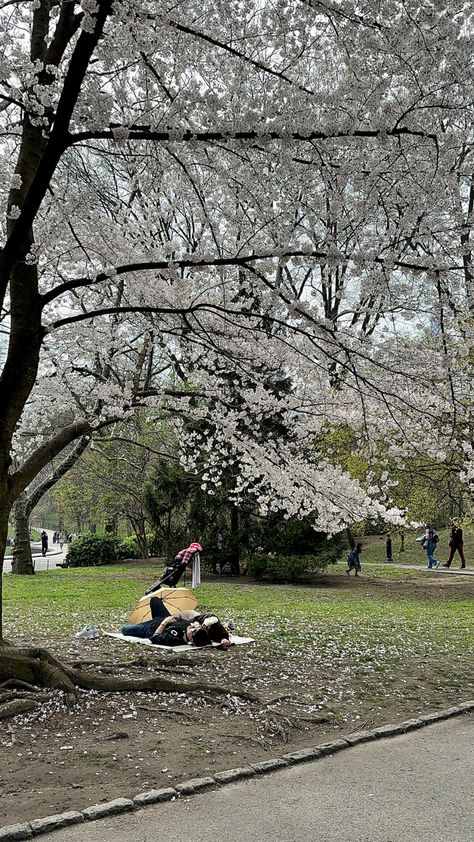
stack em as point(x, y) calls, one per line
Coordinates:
point(128, 548)
point(290, 568)
point(93, 550)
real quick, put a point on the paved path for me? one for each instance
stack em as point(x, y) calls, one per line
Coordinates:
point(53, 557)
point(467, 571)
point(413, 788)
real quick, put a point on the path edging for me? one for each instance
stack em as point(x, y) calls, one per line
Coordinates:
point(37, 827)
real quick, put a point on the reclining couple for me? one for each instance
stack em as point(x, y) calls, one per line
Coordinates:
point(188, 627)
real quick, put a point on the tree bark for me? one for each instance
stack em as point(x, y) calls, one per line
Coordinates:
point(22, 563)
point(4, 514)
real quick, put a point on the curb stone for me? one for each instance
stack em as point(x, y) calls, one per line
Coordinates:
point(331, 748)
point(16, 831)
point(360, 737)
point(110, 808)
point(231, 775)
point(55, 822)
point(412, 724)
point(301, 756)
point(194, 785)
point(269, 765)
point(154, 796)
point(26, 830)
point(389, 730)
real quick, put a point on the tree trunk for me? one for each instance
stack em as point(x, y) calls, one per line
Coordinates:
point(22, 563)
point(4, 513)
point(234, 548)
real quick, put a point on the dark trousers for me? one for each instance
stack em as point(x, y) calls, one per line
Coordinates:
point(460, 549)
point(148, 628)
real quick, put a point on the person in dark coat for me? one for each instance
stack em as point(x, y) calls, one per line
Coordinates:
point(166, 630)
point(44, 543)
point(353, 561)
point(456, 543)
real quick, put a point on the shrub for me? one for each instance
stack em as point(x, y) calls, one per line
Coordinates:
point(93, 550)
point(128, 548)
point(290, 568)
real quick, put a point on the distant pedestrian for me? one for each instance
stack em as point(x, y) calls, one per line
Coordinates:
point(217, 559)
point(353, 560)
point(44, 543)
point(61, 540)
point(456, 542)
point(429, 544)
point(388, 548)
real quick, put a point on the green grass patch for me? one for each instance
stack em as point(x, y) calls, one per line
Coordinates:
point(392, 640)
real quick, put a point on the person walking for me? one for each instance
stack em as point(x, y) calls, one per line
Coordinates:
point(44, 543)
point(456, 543)
point(429, 543)
point(353, 561)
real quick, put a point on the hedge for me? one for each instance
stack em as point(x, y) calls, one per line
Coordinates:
point(95, 550)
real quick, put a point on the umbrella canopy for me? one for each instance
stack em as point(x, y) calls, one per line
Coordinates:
point(175, 599)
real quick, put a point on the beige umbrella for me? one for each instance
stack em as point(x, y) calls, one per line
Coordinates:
point(176, 600)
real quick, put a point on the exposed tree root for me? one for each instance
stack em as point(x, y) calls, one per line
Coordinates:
point(16, 707)
point(39, 668)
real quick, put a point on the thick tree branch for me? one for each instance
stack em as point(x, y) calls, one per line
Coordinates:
point(189, 262)
point(61, 470)
point(21, 478)
point(210, 136)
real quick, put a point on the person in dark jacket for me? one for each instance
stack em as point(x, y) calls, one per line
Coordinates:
point(166, 630)
point(456, 542)
point(353, 561)
point(44, 543)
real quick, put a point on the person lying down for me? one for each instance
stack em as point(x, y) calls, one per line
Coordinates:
point(190, 627)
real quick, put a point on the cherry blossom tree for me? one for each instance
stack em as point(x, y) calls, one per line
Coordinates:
point(281, 189)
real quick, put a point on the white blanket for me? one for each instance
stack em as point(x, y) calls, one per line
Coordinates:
point(234, 639)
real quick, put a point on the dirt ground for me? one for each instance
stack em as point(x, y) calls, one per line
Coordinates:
point(111, 745)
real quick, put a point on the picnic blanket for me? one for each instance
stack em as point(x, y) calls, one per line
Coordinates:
point(234, 639)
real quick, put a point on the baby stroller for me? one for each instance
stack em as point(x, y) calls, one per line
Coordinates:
point(174, 571)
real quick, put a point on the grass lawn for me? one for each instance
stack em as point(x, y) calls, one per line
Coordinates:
point(390, 633)
point(341, 655)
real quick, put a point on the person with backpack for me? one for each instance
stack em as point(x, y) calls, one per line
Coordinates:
point(429, 544)
point(353, 560)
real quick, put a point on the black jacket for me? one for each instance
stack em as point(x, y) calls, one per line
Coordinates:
point(174, 633)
